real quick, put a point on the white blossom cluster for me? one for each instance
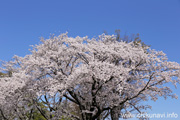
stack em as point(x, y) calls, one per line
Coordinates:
point(98, 75)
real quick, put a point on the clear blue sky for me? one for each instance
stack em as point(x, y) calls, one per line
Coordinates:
point(23, 22)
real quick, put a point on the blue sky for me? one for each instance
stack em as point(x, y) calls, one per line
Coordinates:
point(22, 23)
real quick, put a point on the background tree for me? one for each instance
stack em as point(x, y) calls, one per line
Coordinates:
point(100, 76)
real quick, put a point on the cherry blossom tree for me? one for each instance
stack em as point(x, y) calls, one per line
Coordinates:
point(101, 76)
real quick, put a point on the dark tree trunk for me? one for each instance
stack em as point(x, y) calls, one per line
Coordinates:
point(115, 113)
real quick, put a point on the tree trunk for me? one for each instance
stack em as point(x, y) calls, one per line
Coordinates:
point(115, 113)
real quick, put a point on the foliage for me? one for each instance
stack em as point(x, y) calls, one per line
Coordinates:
point(100, 76)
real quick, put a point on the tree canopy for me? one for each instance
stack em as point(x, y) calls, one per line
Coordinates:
point(97, 77)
